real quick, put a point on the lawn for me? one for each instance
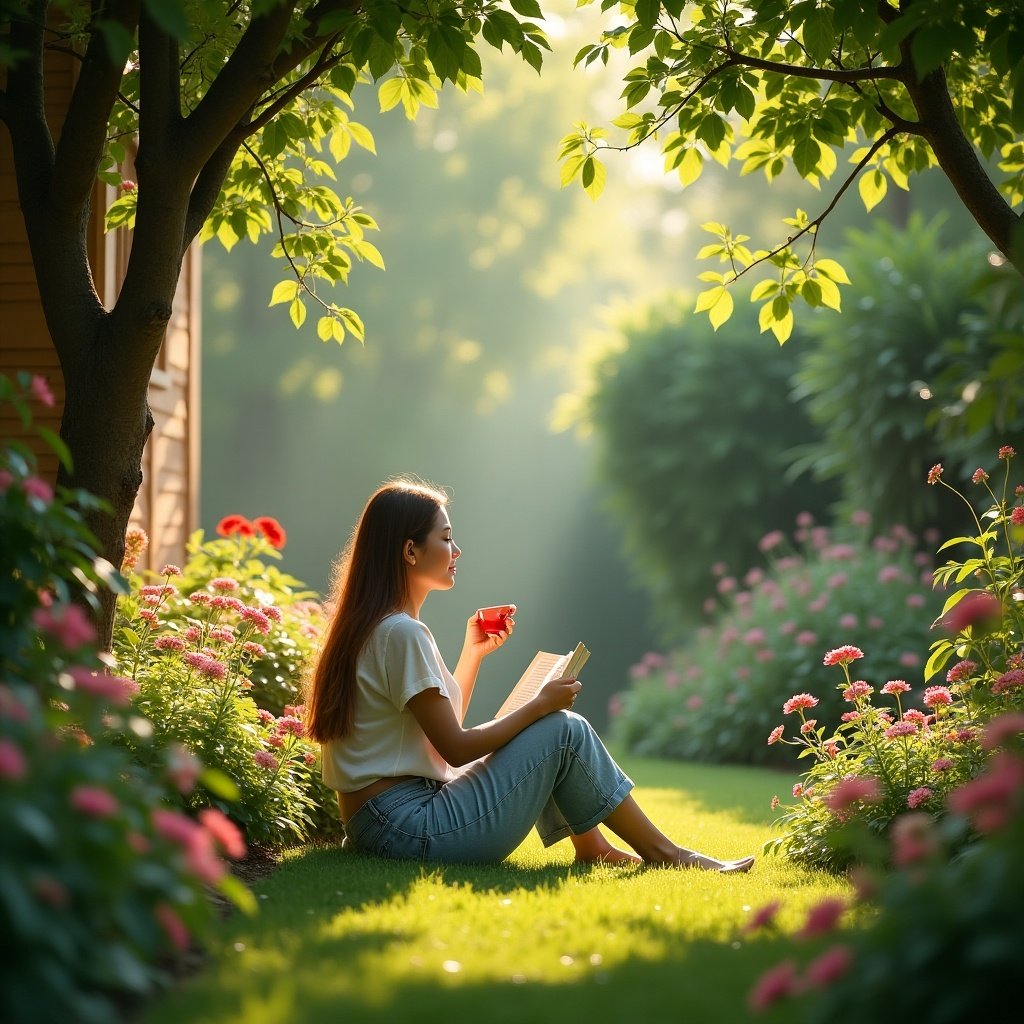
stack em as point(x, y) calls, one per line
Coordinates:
point(344, 937)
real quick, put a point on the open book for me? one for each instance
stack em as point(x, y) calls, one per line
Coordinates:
point(543, 667)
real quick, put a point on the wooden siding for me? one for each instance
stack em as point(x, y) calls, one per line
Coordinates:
point(168, 502)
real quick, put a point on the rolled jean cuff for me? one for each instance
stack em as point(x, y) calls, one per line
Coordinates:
point(553, 828)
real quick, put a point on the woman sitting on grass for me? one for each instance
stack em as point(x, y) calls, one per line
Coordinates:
point(412, 781)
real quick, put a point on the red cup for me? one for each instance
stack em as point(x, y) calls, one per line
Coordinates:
point(492, 620)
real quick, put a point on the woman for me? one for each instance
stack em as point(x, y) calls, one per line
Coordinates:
point(412, 780)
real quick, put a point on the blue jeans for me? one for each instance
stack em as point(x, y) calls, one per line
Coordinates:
point(555, 774)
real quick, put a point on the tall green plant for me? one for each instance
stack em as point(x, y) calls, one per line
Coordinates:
point(891, 383)
point(673, 403)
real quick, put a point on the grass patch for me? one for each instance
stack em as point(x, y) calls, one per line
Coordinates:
point(342, 936)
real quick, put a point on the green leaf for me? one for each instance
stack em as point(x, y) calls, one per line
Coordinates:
point(297, 312)
point(284, 291)
point(938, 658)
point(219, 784)
point(805, 155)
point(818, 35)
point(362, 136)
point(872, 188)
point(593, 176)
point(647, 12)
point(390, 93)
point(527, 8)
point(239, 894)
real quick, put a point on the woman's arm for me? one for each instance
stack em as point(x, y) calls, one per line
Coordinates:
point(459, 746)
point(476, 647)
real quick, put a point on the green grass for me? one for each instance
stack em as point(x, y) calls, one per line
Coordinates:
point(340, 936)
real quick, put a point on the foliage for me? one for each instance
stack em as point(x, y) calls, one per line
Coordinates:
point(897, 377)
point(671, 403)
point(954, 917)
point(99, 882)
point(244, 553)
point(192, 647)
point(772, 85)
point(714, 699)
point(879, 762)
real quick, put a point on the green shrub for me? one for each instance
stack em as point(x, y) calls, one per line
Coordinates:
point(193, 648)
point(925, 360)
point(878, 762)
point(718, 697)
point(99, 881)
point(671, 403)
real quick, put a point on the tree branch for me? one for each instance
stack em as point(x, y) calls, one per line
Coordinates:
point(817, 222)
point(843, 75)
point(159, 97)
point(84, 133)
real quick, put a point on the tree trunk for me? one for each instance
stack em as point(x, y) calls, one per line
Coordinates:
point(106, 424)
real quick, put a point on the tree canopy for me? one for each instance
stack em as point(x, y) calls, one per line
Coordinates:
point(228, 111)
point(891, 86)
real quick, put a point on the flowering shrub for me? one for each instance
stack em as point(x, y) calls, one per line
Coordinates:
point(192, 649)
point(99, 881)
point(235, 568)
point(882, 759)
point(948, 919)
point(715, 699)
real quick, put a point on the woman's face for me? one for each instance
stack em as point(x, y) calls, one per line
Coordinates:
point(431, 564)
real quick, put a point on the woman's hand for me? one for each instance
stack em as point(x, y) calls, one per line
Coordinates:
point(481, 643)
point(557, 695)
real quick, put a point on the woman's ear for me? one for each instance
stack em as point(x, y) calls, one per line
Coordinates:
point(409, 552)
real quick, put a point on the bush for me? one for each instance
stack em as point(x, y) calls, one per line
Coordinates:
point(949, 917)
point(671, 402)
point(716, 699)
point(99, 882)
point(926, 360)
point(193, 649)
point(878, 763)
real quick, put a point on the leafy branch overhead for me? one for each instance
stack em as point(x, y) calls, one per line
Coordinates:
point(891, 87)
point(280, 179)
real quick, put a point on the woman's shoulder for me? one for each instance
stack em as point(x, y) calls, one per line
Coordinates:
point(401, 625)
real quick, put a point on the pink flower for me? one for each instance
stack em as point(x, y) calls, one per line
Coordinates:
point(170, 570)
point(113, 689)
point(876, 622)
point(935, 473)
point(849, 716)
point(806, 638)
point(775, 802)
point(900, 729)
point(67, 623)
point(943, 764)
point(725, 585)
point(762, 917)
point(183, 768)
point(910, 659)
point(1010, 680)
point(915, 600)
point(776, 734)
point(693, 702)
point(36, 488)
point(829, 966)
point(979, 476)
point(172, 925)
point(988, 799)
point(201, 858)
point(265, 760)
point(1001, 729)
point(798, 789)
point(40, 388)
point(258, 617)
point(773, 985)
point(1007, 452)
point(961, 670)
point(919, 796)
point(831, 749)
point(913, 838)
point(12, 761)
point(254, 649)
point(205, 665)
point(1017, 516)
point(978, 608)
point(309, 758)
point(93, 801)
point(857, 690)
point(224, 583)
point(913, 715)
point(127, 185)
point(842, 655)
point(173, 826)
point(848, 621)
point(224, 831)
point(852, 789)
point(889, 573)
point(936, 695)
point(895, 686)
point(799, 701)
point(296, 728)
point(771, 540)
point(837, 580)
point(822, 918)
point(169, 643)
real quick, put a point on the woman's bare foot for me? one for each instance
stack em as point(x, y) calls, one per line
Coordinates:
point(593, 848)
point(689, 859)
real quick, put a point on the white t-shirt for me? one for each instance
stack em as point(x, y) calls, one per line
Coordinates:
point(400, 660)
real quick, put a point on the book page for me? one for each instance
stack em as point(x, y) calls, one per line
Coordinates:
point(544, 666)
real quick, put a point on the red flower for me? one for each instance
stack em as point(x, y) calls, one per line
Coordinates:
point(842, 655)
point(1007, 452)
point(272, 530)
point(230, 525)
point(935, 473)
point(978, 608)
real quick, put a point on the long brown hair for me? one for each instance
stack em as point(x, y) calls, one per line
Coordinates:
point(368, 582)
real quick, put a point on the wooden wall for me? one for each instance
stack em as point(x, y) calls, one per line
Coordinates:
point(168, 502)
